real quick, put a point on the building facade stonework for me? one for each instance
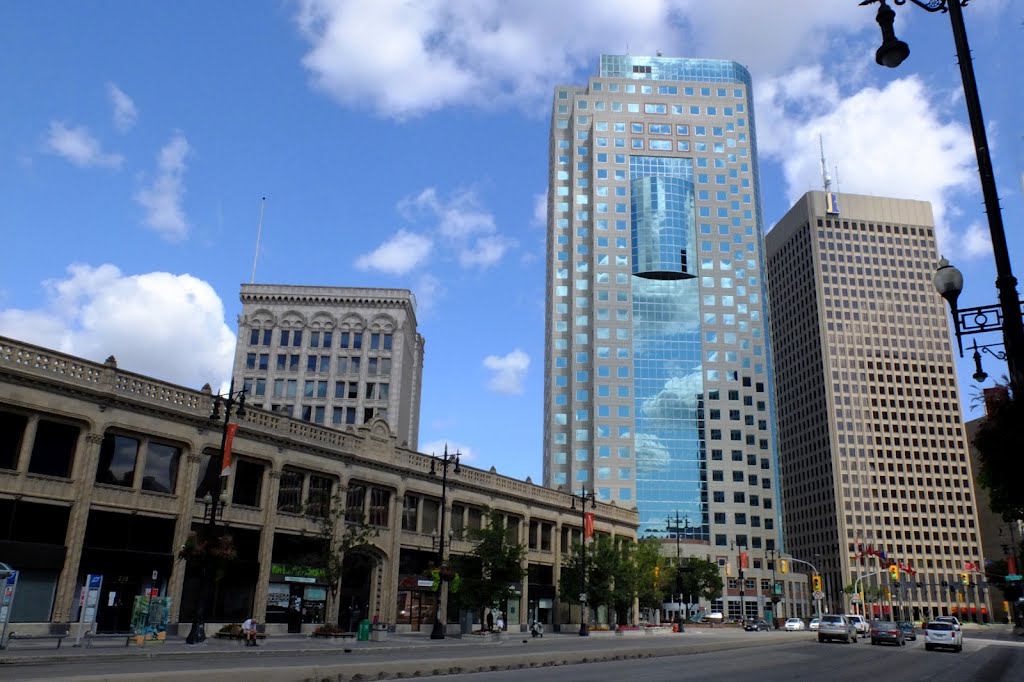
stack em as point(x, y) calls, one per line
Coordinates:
point(101, 473)
point(338, 356)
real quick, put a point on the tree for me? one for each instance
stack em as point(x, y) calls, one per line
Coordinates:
point(355, 532)
point(999, 442)
point(654, 576)
point(494, 571)
point(698, 579)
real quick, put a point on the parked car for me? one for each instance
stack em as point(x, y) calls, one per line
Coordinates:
point(713, 617)
point(756, 625)
point(813, 625)
point(794, 624)
point(863, 628)
point(836, 627)
point(908, 630)
point(943, 634)
point(887, 631)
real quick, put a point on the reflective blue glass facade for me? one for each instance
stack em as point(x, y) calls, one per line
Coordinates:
point(658, 381)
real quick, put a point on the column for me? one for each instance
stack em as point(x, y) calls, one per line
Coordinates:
point(524, 597)
point(28, 440)
point(259, 609)
point(556, 549)
point(186, 494)
point(388, 599)
point(78, 518)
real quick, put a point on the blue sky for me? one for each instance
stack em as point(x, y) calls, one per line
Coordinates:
point(405, 145)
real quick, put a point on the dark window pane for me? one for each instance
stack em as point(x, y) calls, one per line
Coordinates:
point(289, 496)
point(319, 495)
point(209, 475)
point(161, 472)
point(53, 451)
point(354, 503)
point(117, 460)
point(248, 483)
point(12, 429)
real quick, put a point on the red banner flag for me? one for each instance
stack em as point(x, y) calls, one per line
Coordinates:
point(744, 560)
point(588, 526)
point(1011, 565)
point(225, 465)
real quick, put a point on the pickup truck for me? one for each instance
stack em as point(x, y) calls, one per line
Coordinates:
point(836, 627)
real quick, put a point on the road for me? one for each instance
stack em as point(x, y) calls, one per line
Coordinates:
point(980, 661)
point(698, 654)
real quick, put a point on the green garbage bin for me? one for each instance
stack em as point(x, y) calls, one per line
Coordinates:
point(364, 630)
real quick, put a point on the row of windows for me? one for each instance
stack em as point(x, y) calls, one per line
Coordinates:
point(320, 339)
point(318, 363)
point(289, 388)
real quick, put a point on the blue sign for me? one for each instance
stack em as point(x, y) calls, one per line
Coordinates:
point(95, 581)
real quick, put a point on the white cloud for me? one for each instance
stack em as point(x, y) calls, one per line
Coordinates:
point(437, 447)
point(977, 241)
point(77, 145)
point(167, 326)
point(400, 254)
point(162, 199)
point(509, 372)
point(428, 291)
point(886, 142)
point(484, 252)
point(405, 59)
point(540, 209)
point(125, 113)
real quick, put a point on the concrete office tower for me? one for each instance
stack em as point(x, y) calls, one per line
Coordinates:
point(874, 458)
point(337, 356)
point(658, 375)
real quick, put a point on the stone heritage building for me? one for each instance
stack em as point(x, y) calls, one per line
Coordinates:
point(101, 470)
point(338, 356)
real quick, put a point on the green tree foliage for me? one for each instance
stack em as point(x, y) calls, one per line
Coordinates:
point(653, 574)
point(492, 574)
point(333, 545)
point(999, 442)
point(698, 579)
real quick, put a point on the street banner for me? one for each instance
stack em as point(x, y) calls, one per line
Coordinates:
point(225, 465)
point(588, 526)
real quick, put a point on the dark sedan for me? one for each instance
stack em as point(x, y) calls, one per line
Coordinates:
point(755, 625)
point(887, 631)
point(908, 630)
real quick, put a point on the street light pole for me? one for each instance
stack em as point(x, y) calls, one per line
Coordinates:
point(233, 400)
point(739, 559)
point(814, 568)
point(438, 630)
point(891, 54)
point(774, 597)
point(680, 621)
point(583, 497)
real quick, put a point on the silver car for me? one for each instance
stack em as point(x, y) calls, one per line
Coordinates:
point(836, 627)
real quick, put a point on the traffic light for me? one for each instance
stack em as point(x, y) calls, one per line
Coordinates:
point(894, 572)
point(964, 579)
point(783, 566)
point(816, 582)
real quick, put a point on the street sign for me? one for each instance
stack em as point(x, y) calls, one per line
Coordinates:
point(819, 595)
point(1013, 577)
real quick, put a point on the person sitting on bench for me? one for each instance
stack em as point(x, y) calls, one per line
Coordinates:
point(249, 632)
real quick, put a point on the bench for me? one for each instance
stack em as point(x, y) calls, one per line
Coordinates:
point(261, 633)
point(90, 637)
point(58, 631)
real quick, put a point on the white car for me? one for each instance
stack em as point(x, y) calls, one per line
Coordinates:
point(863, 628)
point(814, 624)
point(943, 634)
point(793, 624)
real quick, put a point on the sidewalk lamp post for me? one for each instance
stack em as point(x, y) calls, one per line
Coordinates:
point(583, 498)
point(678, 531)
point(775, 591)
point(948, 280)
point(213, 501)
point(740, 560)
point(438, 630)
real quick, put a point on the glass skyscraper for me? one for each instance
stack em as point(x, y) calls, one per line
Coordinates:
point(658, 371)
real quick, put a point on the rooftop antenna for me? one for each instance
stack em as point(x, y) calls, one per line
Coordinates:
point(259, 231)
point(825, 179)
point(837, 178)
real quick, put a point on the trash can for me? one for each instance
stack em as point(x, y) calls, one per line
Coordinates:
point(364, 630)
point(379, 633)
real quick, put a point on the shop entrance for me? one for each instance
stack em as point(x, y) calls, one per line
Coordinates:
point(354, 595)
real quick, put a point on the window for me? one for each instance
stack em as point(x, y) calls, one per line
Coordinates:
point(319, 502)
point(289, 494)
point(118, 455)
point(380, 500)
point(161, 469)
point(410, 512)
point(354, 501)
point(248, 483)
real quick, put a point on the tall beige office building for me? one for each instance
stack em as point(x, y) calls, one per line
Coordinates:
point(873, 452)
point(337, 356)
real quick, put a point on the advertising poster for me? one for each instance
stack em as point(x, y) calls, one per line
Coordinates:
point(149, 618)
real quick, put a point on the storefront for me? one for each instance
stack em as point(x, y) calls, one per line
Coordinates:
point(297, 594)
